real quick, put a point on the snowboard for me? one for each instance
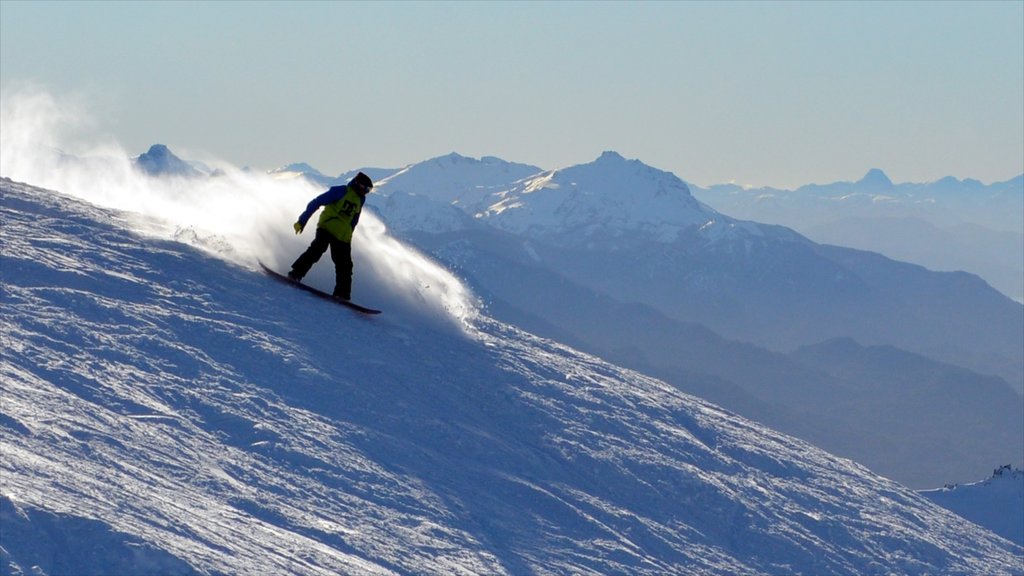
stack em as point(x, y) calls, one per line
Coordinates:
point(320, 293)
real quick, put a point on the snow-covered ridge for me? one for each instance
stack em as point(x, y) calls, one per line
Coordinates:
point(301, 170)
point(996, 502)
point(609, 199)
point(250, 428)
point(611, 195)
point(456, 179)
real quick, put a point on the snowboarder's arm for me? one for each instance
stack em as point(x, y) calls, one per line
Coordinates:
point(332, 195)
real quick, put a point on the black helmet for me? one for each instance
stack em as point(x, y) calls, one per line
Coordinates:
point(363, 182)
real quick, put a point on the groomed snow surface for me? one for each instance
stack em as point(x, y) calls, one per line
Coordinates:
point(168, 411)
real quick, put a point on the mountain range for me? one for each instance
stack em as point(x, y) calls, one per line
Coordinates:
point(743, 279)
point(617, 204)
point(945, 201)
point(949, 224)
point(169, 410)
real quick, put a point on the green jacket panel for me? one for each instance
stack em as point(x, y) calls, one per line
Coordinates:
point(341, 216)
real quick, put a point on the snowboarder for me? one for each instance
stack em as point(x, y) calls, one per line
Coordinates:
point(342, 206)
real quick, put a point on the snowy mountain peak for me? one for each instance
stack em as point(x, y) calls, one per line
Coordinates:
point(608, 198)
point(300, 167)
point(160, 161)
point(302, 170)
point(456, 159)
point(456, 179)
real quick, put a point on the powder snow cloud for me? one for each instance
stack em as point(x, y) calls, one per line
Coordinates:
point(238, 214)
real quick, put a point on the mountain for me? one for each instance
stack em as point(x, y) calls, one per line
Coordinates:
point(949, 224)
point(443, 194)
point(945, 202)
point(456, 179)
point(167, 411)
point(996, 503)
point(876, 182)
point(302, 170)
point(873, 186)
point(609, 201)
point(160, 161)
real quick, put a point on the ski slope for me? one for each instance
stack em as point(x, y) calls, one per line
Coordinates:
point(167, 409)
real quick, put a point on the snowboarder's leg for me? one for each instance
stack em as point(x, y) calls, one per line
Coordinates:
point(316, 249)
point(341, 253)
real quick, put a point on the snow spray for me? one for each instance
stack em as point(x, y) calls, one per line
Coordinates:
point(235, 214)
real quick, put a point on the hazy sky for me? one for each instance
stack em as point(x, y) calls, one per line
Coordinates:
point(759, 93)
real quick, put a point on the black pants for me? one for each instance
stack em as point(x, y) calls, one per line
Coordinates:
point(341, 254)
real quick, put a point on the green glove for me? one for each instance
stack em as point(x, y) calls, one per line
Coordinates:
point(298, 227)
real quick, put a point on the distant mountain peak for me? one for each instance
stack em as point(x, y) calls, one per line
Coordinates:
point(453, 157)
point(456, 159)
point(300, 167)
point(158, 150)
point(302, 170)
point(876, 179)
point(160, 161)
point(610, 156)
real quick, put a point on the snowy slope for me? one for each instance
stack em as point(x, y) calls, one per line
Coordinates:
point(996, 503)
point(167, 411)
